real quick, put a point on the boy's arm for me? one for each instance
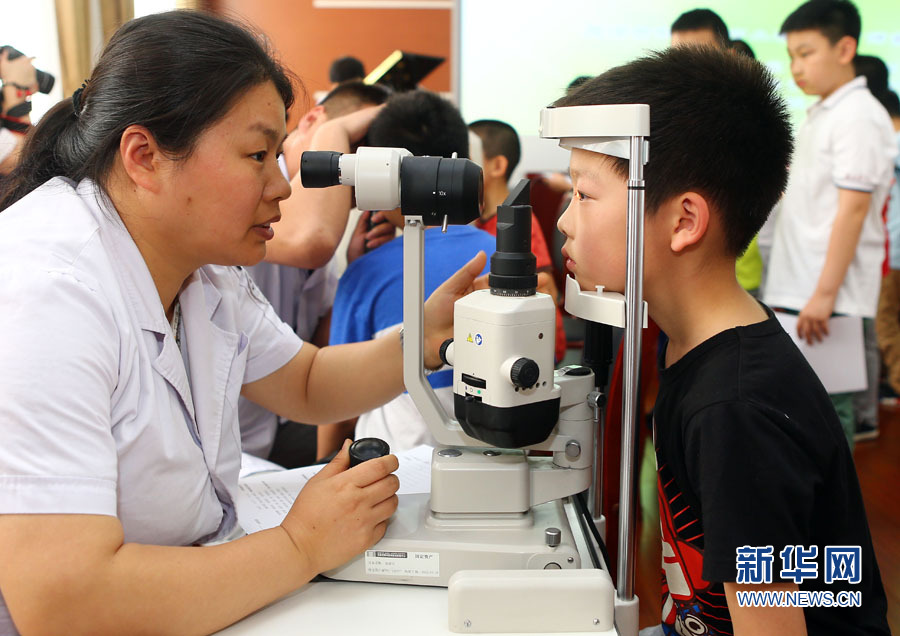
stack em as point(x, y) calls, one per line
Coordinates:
point(812, 323)
point(313, 220)
point(762, 621)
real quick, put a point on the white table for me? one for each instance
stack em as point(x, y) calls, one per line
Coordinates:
point(340, 608)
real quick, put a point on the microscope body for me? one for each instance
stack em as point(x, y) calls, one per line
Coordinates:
point(502, 357)
point(494, 528)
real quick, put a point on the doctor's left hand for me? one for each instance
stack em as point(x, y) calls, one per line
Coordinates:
point(342, 511)
point(439, 307)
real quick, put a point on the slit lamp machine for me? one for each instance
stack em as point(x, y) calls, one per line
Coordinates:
point(494, 529)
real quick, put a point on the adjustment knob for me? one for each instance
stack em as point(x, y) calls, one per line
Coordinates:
point(367, 448)
point(442, 352)
point(524, 373)
point(552, 537)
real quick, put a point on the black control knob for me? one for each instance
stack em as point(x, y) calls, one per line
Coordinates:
point(442, 352)
point(524, 373)
point(367, 448)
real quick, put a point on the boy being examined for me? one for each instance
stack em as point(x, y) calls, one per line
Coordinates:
point(829, 237)
point(751, 457)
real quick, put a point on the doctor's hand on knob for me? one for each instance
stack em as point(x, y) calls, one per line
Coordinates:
point(439, 307)
point(342, 511)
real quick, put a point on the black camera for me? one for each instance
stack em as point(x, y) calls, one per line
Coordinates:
point(44, 79)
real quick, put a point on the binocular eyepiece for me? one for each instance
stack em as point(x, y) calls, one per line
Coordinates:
point(438, 189)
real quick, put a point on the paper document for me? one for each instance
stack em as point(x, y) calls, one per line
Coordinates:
point(264, 498)
point(840, 359)
point(250, 464)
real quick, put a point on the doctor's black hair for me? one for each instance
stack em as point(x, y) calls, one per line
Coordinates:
point(718, 127)
point(175, 73)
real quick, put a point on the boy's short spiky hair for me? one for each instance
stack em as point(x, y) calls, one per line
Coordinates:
point(422, 122)
point(702, 19)
point(834, 18)
point(718, 126)
point(351, 96)
point(498, 138)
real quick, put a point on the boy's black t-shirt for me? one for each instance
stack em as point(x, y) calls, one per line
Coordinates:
point(751, 453)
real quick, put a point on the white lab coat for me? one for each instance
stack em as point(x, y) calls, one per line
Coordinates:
point(300, 297)
point(98, 412)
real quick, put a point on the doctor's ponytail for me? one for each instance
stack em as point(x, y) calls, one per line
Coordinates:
point(44, 155)
point(175, 73)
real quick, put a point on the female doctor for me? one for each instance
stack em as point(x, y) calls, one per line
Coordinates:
point(126, 338)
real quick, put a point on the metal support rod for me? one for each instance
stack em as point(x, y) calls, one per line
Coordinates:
point(601, 446)
point(597, 356)
point(634, 279)
point(445, 430)
point(595, 501)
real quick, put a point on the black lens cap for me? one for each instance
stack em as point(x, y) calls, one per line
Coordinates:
point(367, 448)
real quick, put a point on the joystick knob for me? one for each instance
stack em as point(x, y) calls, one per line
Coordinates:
point(524, 373)
point(367, 448)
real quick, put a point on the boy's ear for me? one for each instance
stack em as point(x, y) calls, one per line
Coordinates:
point(689, 215)
point(141, 157)
point(310, 118)
point(495, 167)
point(846, 48)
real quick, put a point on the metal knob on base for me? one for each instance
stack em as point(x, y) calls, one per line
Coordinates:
point(553, 537)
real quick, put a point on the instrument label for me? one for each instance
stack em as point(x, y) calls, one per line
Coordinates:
point(392, 563)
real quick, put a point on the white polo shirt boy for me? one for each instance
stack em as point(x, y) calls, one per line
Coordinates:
point(847, 141)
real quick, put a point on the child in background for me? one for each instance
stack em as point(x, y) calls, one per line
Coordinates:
point(865, 402)
point(500, 156)
point(700, 27)
point(887, 322)
point(829, 238)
